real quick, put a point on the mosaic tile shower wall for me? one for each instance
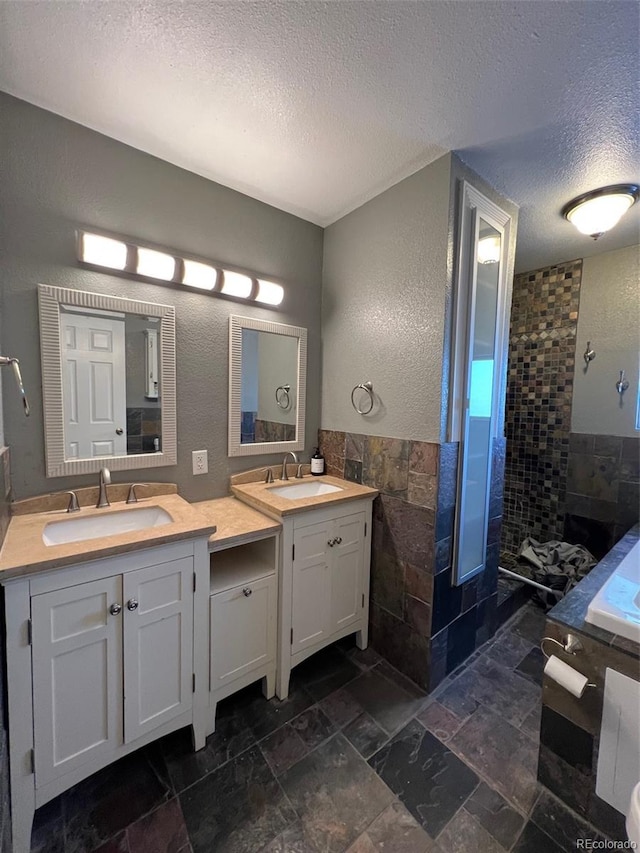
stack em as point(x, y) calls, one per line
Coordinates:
point(542, 341)
point(421, 623)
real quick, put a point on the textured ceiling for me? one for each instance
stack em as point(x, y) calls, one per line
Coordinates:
point(315, 107)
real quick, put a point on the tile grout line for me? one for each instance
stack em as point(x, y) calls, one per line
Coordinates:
point(258, 741)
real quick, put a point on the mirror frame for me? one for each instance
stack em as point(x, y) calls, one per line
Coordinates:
point(49, 300)
point(236, 325)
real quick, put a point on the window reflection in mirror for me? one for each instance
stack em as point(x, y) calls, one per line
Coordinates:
point(269, 387)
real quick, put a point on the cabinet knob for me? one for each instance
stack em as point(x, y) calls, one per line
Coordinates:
point(132, 604)
point(119, 431)
point(247, 591)
point(338, 540)
point(115, 609)
point(331, 543)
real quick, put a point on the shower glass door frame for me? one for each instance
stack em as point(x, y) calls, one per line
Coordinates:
point(478, 373)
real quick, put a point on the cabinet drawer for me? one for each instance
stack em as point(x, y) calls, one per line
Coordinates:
point(242, 630)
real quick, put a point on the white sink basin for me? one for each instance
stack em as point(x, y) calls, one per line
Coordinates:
point(616, 607)
point(95, 526)
point(304, 490)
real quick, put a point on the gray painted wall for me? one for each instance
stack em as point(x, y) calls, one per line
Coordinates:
point(383, 304)
point(59, 175)
point(278, 365)
point(387, 303)
point(609, 317)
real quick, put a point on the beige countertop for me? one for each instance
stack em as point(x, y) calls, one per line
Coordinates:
point(261, 497)
point(88, 497)
point(24, 551)
point(235, 522)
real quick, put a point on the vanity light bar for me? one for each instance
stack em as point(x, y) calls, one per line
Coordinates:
point(151, 264)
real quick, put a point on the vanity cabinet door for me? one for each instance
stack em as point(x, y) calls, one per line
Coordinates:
point(347, 560)
point(311, 589)
point(77, 675)
point(158, 645)
point(242, 630)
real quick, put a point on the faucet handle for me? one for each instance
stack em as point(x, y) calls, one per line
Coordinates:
point(299, 474)
point(74, 506)
point(132, 498)
point(268, 478)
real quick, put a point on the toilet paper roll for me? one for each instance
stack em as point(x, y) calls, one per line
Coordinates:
point(566, 676)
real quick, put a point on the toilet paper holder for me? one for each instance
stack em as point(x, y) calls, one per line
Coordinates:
point(571, 645)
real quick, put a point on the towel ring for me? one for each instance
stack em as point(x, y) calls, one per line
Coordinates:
point(282, 396)
point(364, 386)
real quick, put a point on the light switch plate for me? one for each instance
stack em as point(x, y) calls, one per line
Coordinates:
point(200, 462)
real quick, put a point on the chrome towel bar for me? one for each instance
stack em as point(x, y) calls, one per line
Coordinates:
point(15, 364)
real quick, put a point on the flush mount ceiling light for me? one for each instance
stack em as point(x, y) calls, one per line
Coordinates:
point(143, 262)
point(598, 211)
point(489, 250)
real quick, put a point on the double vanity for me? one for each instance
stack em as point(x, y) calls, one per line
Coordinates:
point(126, 622)
point(130, 612)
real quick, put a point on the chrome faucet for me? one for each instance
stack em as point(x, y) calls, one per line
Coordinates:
point(105, 480)
point(74, 506)
point(284, 475)
point(132, 497)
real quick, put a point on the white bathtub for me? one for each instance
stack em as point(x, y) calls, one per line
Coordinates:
point(616, 607)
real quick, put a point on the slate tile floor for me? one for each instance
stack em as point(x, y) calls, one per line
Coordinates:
point(356, 760)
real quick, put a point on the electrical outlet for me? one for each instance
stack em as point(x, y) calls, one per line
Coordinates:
point(200, 462)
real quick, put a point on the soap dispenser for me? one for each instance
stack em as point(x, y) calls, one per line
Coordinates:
point(317, 463)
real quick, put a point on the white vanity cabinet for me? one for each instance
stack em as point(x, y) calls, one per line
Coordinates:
point(101, 660)
point(243, 612)
point(112, 660)
point(325, 582)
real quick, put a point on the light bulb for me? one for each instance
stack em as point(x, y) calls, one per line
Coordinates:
point(236, 284)
point(103, 251)
point(269, 292)
point(199, 275)
point(155, 264)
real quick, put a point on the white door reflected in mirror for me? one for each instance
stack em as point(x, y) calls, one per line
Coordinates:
point(108, 381)
point(111, 384)
point(94, 384)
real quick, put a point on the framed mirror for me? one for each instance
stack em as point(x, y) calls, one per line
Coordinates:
point(267, 386)
point(108, 382)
